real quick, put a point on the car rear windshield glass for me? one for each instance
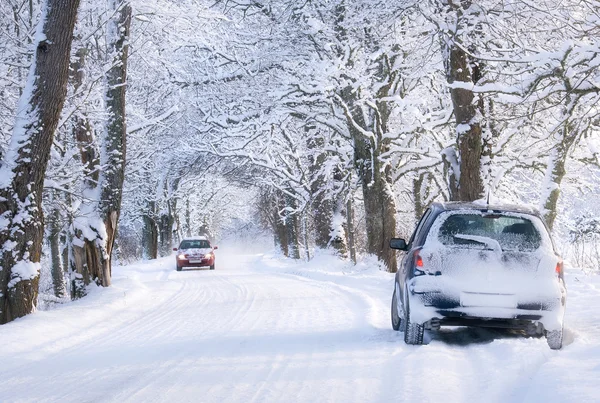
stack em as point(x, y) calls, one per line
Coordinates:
point(194, 244)
point(509, 232)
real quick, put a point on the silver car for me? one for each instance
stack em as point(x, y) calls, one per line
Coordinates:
point(468, 264)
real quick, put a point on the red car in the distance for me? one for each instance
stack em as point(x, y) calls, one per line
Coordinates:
point(195, 252)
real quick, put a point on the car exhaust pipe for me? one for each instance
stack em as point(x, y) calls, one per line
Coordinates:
point(433, 324)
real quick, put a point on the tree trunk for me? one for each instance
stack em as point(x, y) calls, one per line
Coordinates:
point(281, 235)
point(150, 232)
point(188, 217)
point(418, 196)
point(463, 71)
point(84, 265)
point(380, 207)
point(115, 137)
point(337, 231)
point(56, 267)
point(166, 229)
point(292, 225)
point(322, 206)
point(322, 215)
point(350, 229)
point(24, 165)
point(555, 172)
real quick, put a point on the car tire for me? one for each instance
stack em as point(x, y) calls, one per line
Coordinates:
point(178, 268)
point(396, 319)
point(212, 267)
point(413, 332)
point(554, 338)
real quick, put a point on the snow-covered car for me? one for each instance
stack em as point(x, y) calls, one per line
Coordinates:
point(195, 252)
point(468, 264)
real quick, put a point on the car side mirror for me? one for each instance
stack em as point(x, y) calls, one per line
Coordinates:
point(398, 243)
point(175, 249)
point(215, 247)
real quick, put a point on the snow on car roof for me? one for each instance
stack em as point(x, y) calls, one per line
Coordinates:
point(195, 238)
point(483, 206)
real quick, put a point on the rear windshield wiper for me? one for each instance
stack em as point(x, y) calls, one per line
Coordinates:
point(489, 242)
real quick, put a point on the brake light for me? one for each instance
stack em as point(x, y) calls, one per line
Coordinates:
point(559, 269)
point(418, 259)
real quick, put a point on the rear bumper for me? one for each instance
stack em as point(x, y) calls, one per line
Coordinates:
point(446, 310)
point(452, 304)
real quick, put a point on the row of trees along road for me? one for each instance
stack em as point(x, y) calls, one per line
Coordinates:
point(126, 125)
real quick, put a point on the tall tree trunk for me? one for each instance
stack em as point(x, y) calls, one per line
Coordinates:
point(380, 207)
point(418, 196)
point(462, 72)
point(350, 229)
point(281, 234)
point(150, 232)
point(375, 176)
point(24, 165)
point(115, 137)
point(84, 256)
point(322, 208)
point(329, 231)
point(292, 225)
point(555, 172)
point(56, 267)
point(337, 230)
point(188, 217)
point(169, 221)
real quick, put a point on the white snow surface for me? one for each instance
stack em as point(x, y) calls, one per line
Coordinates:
point(263, 329)
point(23, 270)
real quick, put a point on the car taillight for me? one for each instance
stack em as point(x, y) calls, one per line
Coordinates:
point(559, 269)
point(418, 262)
point(418, 259)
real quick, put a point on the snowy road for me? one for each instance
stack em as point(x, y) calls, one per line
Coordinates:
point(262, 330)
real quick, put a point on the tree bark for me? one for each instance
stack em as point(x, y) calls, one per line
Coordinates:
point(84, 265)
point(188, 218)
point(338, 230)
point(281, 234)
point(555, 172)
point(292, 225)
point(24, 165)
point(115, 138)
point(167, 221)
point(418, 196)
point(350, 229)
point(150, 232)
point(380, 206)
point(375, 176)
point(322, 205)
point(56, 268)
point(462, 72)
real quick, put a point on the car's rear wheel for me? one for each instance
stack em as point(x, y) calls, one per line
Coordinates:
point(413, 332)
point(396, 319)
point(555, 339)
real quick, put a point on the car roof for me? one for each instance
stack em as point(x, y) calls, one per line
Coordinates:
point(513, 208)
point(195, 238)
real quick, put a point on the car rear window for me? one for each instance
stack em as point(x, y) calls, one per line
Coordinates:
point(481, 230)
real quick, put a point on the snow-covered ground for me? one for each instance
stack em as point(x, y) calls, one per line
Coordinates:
point(262, 329)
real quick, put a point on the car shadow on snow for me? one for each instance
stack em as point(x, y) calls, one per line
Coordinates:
point(465, 336)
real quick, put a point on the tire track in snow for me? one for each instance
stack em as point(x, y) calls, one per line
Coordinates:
point(458, 365)
point(173, 373)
